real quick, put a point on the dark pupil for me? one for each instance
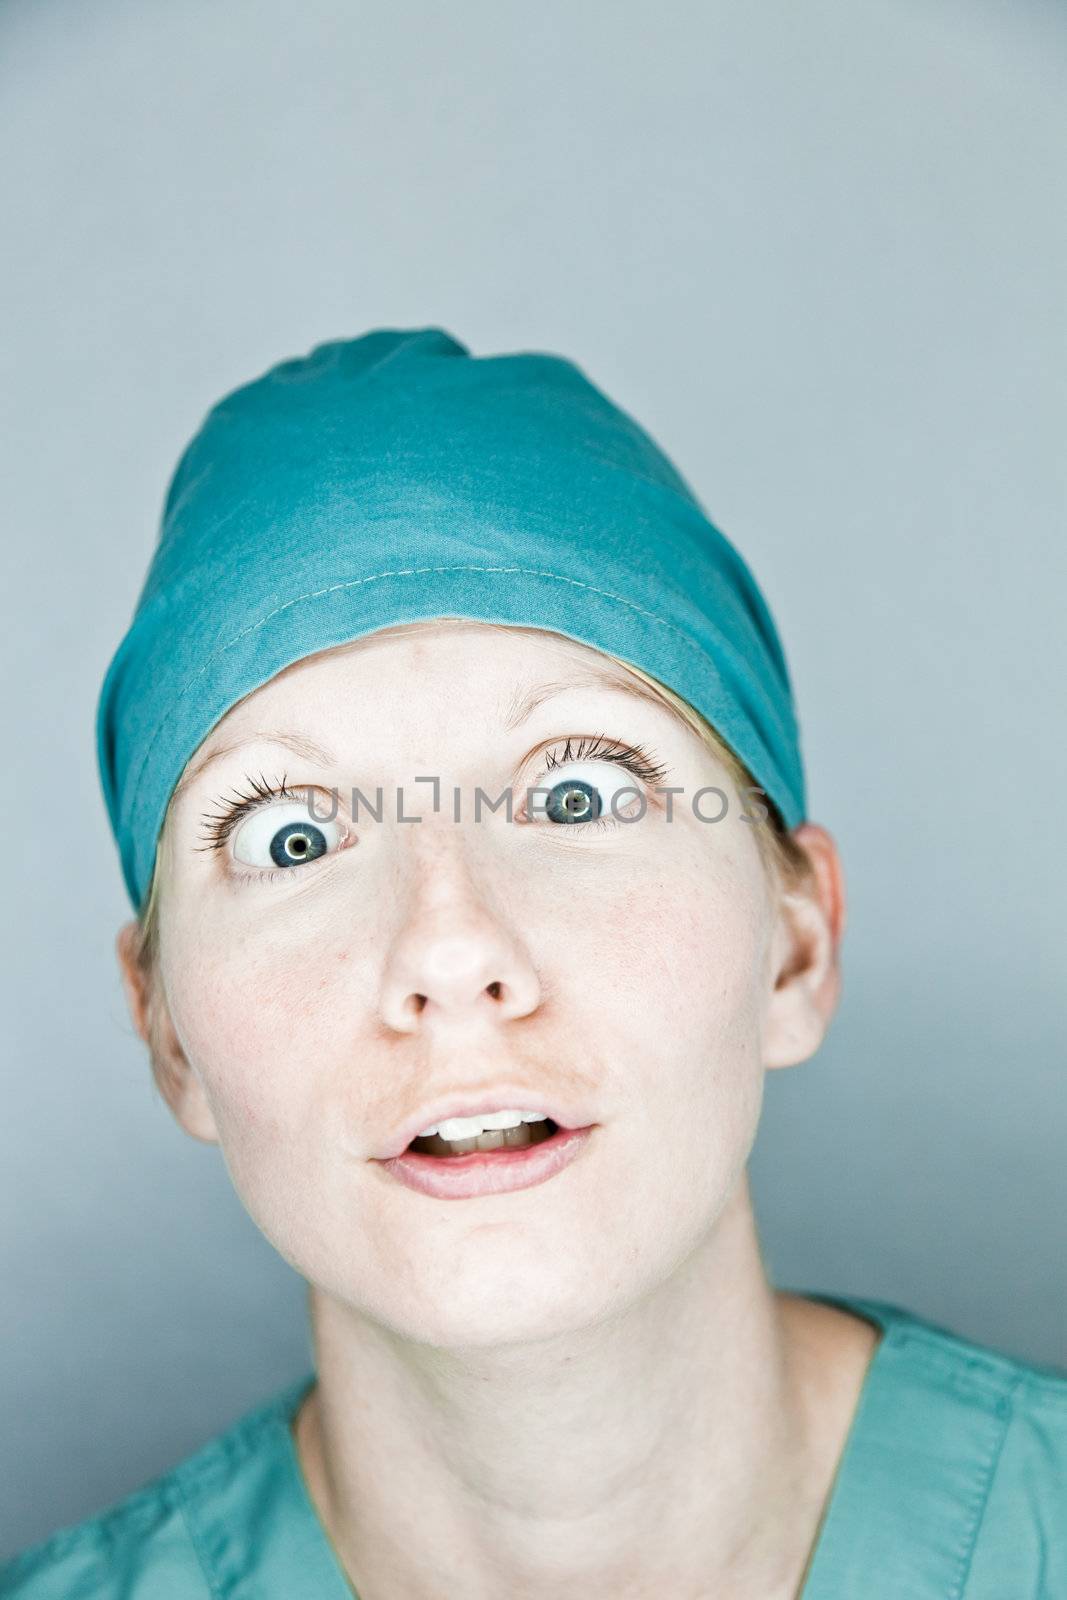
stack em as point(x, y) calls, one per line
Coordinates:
point(297, 842)
point(573, 801)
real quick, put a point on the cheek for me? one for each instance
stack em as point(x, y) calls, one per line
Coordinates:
point(665, 944)
point(252, 1030)
point(251, 1019)
point(663, 977)
point(263, 975)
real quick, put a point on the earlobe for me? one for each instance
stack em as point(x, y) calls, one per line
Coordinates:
point(187, 1101)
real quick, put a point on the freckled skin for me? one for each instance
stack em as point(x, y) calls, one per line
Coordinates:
point(635, 961)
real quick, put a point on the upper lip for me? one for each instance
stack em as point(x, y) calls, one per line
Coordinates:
point(469, 1103)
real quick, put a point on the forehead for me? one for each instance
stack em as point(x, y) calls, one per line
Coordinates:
point(447, 668)
point(516, 667)
point(447, 636)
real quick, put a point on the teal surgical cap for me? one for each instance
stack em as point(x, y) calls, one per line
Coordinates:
point(393, 478)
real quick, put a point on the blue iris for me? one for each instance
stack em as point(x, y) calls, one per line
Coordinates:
point(296, 843)
point(573, 801)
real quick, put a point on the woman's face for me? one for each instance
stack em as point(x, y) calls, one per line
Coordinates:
point(623, 970)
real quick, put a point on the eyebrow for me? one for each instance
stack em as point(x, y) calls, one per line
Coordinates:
point(296, 742)
point(521, 708)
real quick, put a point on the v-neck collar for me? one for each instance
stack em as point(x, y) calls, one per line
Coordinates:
point(909, 1488)
point(914, 1475)
point(251, 1517)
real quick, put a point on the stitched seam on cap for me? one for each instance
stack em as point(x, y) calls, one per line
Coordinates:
point(402, 572)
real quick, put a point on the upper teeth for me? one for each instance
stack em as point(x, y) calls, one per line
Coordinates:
point(471, 1127)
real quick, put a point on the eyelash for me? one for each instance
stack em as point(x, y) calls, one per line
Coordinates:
point(634, 758)
point(219, 827)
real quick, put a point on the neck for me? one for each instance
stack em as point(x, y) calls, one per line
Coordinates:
point(672, 1447)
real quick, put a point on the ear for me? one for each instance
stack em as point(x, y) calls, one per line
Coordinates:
point(175, 1078)
point(806, 968)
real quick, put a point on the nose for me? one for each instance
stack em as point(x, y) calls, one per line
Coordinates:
point(455, 958)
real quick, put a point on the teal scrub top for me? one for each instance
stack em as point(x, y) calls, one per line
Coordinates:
point(952, 1486)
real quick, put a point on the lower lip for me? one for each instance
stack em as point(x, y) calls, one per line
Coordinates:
point(488, 1171)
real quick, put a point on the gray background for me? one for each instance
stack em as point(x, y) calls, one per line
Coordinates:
point(819, 250)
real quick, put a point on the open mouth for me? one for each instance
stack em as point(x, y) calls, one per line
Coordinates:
point(518, 1138)
point(528, 1149)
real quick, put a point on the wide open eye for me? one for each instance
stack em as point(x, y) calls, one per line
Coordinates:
point(578, 792)
point(285, 835)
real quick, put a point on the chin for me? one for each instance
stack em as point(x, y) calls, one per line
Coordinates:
point(492, 1325)
point(484, 1305)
